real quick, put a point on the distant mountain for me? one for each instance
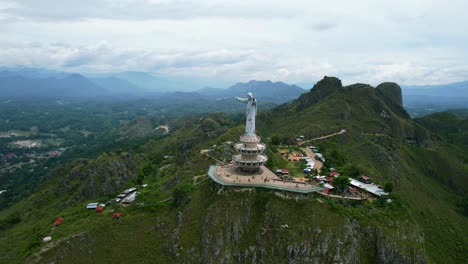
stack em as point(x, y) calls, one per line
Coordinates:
point(71, 85)
point(266, 91)
point(36, 73)
point(117, 85)
point(37, 82)
point(459, 89)
point(421, 100)
point(160, 83)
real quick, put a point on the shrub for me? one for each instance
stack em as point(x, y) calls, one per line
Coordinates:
point(388, 187)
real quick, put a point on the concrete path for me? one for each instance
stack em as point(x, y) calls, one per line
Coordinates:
point(342, 131)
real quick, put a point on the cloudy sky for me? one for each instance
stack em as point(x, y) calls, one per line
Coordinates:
point(368, 41)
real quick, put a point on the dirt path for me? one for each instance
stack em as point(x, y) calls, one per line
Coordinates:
point(342, 131)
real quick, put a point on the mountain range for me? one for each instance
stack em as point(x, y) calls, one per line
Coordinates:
point(38, 82)
point(424, 99)
point(30, 82)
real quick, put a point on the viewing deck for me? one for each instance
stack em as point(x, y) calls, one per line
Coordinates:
point(251, 139)
point(229, 176)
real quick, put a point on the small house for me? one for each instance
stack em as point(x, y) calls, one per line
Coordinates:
point(282, 171)
point(364, 179)
point(334, 174)
point(130, 198)
point(58, 221)
point(129, 190)
point(92, 205)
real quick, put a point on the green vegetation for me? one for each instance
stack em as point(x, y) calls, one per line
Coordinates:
point(278, 161)
point(341, 183)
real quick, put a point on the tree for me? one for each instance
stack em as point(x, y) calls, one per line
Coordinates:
point(335, 158)
point(352, 171)
point(388, 187)
point(313, 172)
point(275, 140)
point(181, 194)
point(341, 183)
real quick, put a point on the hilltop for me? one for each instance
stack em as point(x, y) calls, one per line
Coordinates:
point(175, 220)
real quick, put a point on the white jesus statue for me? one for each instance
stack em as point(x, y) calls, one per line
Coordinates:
point(250, 113)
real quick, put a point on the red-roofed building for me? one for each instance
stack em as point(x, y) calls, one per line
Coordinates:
point(353, 189)
point(326, 191)
point(99, 209)
point(116, 215)
point(282, 171)
point(365, 179)
point(58, 221)
point(334, 174)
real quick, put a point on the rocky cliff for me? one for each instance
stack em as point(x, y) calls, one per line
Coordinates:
point(322, 89)
point(105, 176)
point(228, 226)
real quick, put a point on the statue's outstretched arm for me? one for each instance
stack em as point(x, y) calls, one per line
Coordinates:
point(243, 100)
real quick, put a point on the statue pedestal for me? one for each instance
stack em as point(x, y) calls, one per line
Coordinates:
point(250, 154)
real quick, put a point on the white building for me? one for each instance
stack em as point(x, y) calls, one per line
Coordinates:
point(92, 205)
point(130, 198)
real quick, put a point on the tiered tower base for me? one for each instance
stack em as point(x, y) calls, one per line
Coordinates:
point(250, 157)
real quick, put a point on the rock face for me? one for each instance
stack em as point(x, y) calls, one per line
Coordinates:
point(250, 227)
point(253, 230)
point(391, 92)
point(322, 89)
point(104, 176)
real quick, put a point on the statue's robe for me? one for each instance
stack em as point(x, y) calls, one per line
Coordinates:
point(250, 113)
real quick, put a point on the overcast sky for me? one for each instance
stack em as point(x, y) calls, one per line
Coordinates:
point(406, 41)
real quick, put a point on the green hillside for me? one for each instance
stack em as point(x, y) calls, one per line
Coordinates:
point(175, 220)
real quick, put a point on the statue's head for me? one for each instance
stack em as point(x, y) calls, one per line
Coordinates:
point(250, 95)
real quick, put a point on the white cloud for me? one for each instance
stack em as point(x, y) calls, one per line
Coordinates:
point(411, 42)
